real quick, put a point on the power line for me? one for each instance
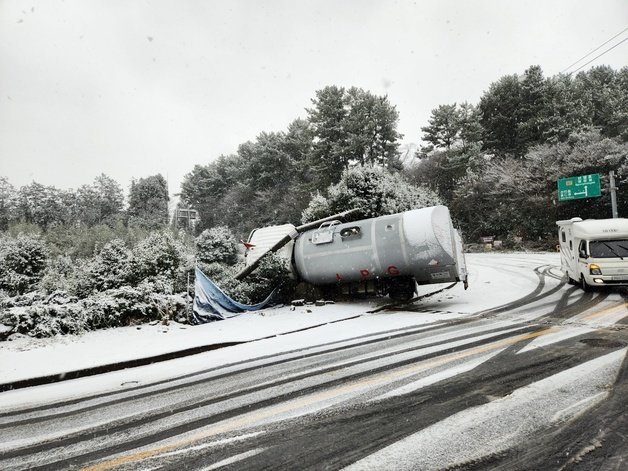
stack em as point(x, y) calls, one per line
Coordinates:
point(596, 57)
point(591, 52)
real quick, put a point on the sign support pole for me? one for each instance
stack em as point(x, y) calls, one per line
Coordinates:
point(613, 190)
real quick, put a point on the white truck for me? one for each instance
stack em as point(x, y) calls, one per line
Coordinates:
point(594, 252)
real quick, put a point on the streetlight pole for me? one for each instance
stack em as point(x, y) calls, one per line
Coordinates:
point(613, 190)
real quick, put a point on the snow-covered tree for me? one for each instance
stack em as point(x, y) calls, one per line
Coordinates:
point(351, 126)
point(43, 205)
point(99, 202)
point(453, 126)
point(217, 245)
point(373, 190)
point(160, 255)
point(443, 128)
point(317, 209)
point(111, 267)
point(7, 203)
point(498, 108)
point(22, 262)
point(148, 202)
point(517, 197)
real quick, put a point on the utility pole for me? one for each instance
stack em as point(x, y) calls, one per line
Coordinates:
point(613, 190)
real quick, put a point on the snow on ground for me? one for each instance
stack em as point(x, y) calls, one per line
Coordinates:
point(488, 288)
point(501, 424)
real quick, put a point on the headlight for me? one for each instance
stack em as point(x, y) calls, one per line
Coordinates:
point(594, 269)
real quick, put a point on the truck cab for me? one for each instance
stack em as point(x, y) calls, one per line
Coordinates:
point(594, 252)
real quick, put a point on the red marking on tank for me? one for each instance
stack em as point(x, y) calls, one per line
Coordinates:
point(338, 277)
point(392, 270)
point(364, 273)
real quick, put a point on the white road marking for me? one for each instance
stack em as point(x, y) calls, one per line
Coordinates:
point(211, 444)
point(235, 459)
point(573, 410)
point(582, 323)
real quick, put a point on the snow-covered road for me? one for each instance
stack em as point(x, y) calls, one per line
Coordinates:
point(489, 288)
point(520, 371)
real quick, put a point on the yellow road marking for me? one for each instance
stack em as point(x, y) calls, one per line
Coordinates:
point(313, 398)
point(603, 312)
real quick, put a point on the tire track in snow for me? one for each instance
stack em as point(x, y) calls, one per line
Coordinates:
point(527, 411)
point(111, 429)
point(273, 359)
point(385, 422)
point(313, 441)
point(536, 295)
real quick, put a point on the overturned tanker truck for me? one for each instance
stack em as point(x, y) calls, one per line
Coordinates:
point(386, 255)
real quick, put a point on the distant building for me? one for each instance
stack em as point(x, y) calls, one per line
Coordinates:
point(186, 217)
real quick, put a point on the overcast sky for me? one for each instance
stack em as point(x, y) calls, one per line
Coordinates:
point(132, 88)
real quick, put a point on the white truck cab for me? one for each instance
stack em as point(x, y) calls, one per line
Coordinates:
point(594, 252)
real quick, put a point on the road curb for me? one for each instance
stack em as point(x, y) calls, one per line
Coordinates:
point(95, 370)
point(38, 381)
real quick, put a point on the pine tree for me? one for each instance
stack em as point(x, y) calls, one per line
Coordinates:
point(148, 202)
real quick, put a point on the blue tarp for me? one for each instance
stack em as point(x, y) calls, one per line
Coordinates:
point(212, 304)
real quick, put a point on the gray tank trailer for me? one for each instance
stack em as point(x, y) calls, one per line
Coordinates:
point(387, 255)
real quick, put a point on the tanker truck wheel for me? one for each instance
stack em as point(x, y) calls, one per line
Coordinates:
point(401, 289)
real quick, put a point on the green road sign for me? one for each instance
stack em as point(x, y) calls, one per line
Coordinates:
point(575, 188)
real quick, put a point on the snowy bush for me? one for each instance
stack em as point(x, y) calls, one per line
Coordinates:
point(117, 286)
point(272, 272)
point(131, 305)
point(159, 258)
point(62, 274)
point(22, 262)
point(160, 254)
point(374, 191)
point(117, 307)
point(111, 267)
point(218, 272)
point(22, 300)
point(78, 242)
point(61, 313)
point(217, 245)
point(22, 227)
point(318, 208)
